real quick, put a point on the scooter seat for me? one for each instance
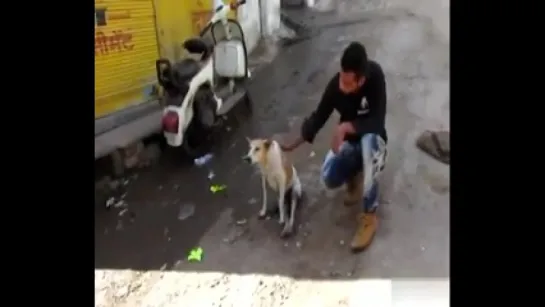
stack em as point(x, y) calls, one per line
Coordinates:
point(199, 45)
point(185, 70)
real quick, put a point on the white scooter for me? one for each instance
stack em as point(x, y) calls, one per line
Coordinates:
point(199, 92)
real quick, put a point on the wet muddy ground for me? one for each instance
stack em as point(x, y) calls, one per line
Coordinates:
point(142, 242)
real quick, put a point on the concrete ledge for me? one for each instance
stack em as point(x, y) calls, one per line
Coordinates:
point(127, 134)
point(296, 3)
point(124, 116)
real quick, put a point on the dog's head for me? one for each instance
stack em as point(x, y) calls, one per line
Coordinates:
point(257, 154)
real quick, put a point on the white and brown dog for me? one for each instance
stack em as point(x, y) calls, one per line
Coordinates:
point(279, 173)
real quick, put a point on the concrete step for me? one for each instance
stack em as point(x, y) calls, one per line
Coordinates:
point(127, 134)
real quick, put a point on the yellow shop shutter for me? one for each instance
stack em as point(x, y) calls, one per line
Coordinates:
point(125, 54)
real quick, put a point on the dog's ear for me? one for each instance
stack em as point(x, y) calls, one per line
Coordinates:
point(267, 144)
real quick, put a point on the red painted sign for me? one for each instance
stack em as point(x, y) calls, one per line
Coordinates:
point(107, 42)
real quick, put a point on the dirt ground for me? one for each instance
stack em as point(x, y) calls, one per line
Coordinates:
point(162, 212)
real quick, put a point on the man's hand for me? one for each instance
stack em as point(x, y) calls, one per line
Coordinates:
point(287, 147)
point(340, 133)
point(291, 146)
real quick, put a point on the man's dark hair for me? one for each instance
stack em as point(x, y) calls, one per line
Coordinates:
point(354, 59)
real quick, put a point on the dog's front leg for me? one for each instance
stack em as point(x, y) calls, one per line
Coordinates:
point(263, 211)
point(281, 204)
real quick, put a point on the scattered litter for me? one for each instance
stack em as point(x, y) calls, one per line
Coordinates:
point(163, 267)
point(122, 212)
point(252, 201)
point(241, 222)
point(126, 182)
point(422, 248)
point(204, 159)
point(211, 175)
point(215, 188)
point(298, 244)
point(312, 154)
point(120, 204)
point(341, 242)
point(119, 225)
point(195, 254)
point(176, 187)
point(160, 187)
point(110, 202)
point(286, 244)
point(186, 211)
point(228, 128)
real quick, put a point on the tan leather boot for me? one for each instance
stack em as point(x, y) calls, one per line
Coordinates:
point(367, 226)
point(354, 190)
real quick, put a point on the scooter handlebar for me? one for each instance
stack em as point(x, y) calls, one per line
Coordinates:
point(222, 10)
point(235, 5)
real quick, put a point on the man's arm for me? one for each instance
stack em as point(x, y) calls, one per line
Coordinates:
point(312, 125)
point(317, 119)
point(376, 97)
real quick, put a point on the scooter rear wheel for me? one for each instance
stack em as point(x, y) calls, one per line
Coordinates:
point(197, 141)
point(199, 135)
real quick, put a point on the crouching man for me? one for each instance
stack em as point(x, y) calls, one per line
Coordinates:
point(358, 148)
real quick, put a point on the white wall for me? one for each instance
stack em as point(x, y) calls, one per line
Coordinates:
point(249, 18)
point(259, 18)
point(270, 16)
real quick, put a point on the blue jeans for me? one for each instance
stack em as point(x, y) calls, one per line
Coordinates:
point(369, 156)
